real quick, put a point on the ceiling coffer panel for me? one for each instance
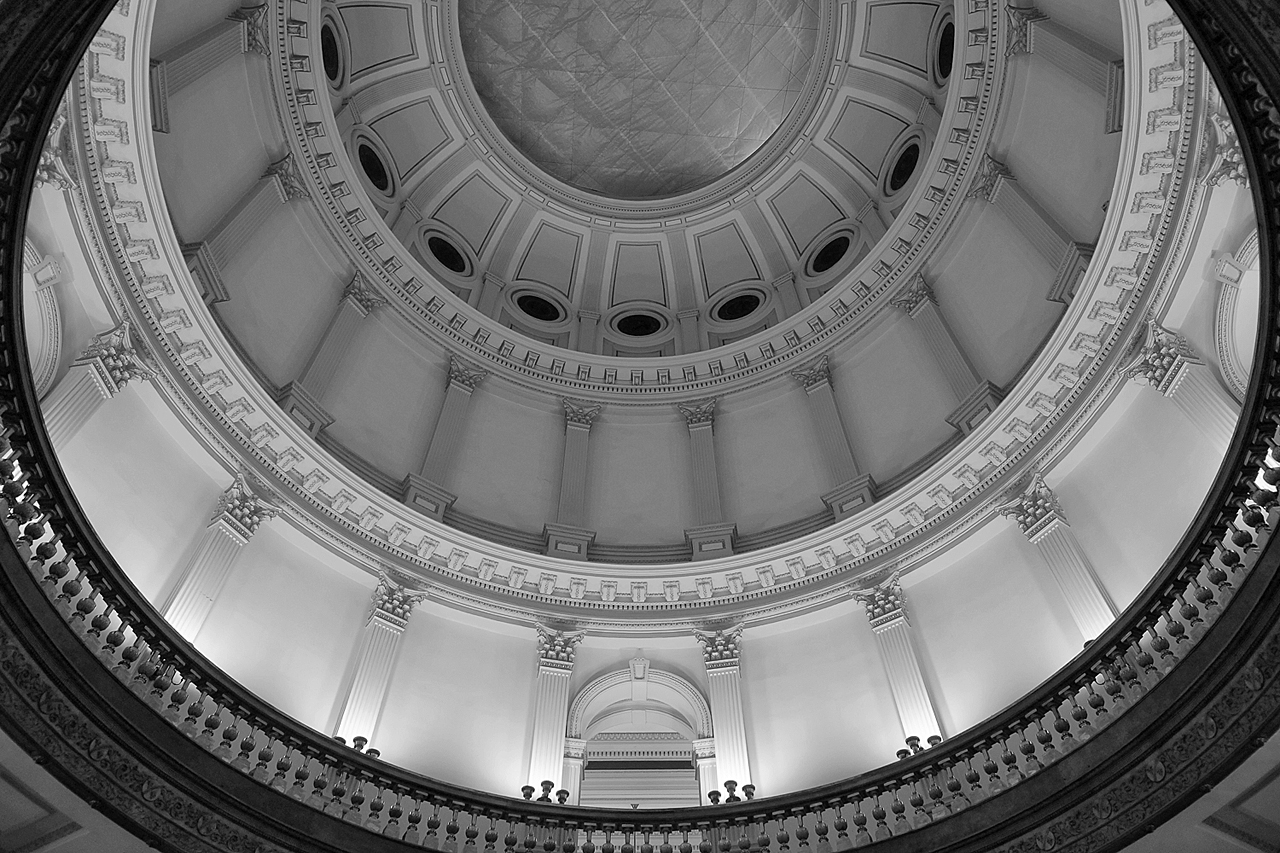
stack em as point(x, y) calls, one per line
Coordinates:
point(724, 258)
point(865, 133)
point(804, 211)
point(551, 258)
point(380, 34)
point(473, 210)
point(898, 33)
point(413, 134)
point(639, 273)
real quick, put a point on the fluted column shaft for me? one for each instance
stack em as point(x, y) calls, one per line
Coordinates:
point(333, 346)
point(574, 759)
point(551, 706)
point(704, 756)
point(1078, 56)
point(895, 642)
point(729, 731)
point(452, 423)
point(578, 419)
point(202, 53)
point(836, 451)
point(234, 230)
point(955, 365)
point(706, 484)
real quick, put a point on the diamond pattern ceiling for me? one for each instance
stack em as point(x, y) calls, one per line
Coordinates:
point(638, 98)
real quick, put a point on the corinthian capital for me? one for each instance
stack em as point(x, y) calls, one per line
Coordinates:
point(988, 178)
point(1020, 19)
point(361, 292)
point(288, 178)
point(1160, 361)
point(1034, 508)
point(1226, 163)
point(465, 374)
point(556, 648)
point(916, 292)
point(814, 373)
point(883, 604)
point(582, 414)
point(241, 511)
point(52, 170)
point(720, 649)
point(118, 357)
point(698, 412)
point(394, 603)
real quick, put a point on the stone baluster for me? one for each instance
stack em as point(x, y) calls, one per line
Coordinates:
point(568, 536)
point(301, 398)
point(978, 398)
point(712, 537)
point(243, 31)
point(281, 183)
point(720, 653)
point(375, 658)
point(239, 514)
point(556, 649)
point(112, 360)
point(575, 752)
point(1080, 57)
point(856, 490)
point(895, 640)
point(1167, 363)
point(1039, 516)
point(704, 757)
point(997, 185)
point(424, 491)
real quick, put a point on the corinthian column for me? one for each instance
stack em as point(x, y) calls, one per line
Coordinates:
point(423, 491)
point(1080, 57)
point(855, 490)
point(712, 537)
point(111, 361)
point(895, 640)
point(1167, 363)
point(720, 653)
point(239, 514)
point(551, 705)
point(568, 536)
point(1039, 516)
point(997, 185)
point(280, 184)
point(978, 398)
point(376, 653)
point(301, 398)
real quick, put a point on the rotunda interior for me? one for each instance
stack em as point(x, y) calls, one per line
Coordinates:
point(642, 405)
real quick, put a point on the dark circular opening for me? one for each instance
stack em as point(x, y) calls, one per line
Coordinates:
point(829, 255)
point(638, 325)
point(329, 53)
point(905, 167)
point(374, 169)
point(738, 307)
point(946, 50)
point(448, 255)
point(538, 308)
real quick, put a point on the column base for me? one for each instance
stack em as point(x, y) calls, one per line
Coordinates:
point(205, 271)
point(298, 404)
point(566, 541)
point(851, 497)
point(975, 408)
point(1074, 262)
point(711, 540)
point(426, 497)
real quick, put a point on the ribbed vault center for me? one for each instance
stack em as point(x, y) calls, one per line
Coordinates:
point(638, 98)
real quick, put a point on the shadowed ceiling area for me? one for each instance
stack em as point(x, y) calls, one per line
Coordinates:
point(638, 99)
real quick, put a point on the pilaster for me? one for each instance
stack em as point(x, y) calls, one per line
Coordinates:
point(712, 536)
point(895, 640)
point(704, 757)
point(183, 65)
point(1039, 516)
point(575, 751)
point(239, 514)
point(856, 490)
point(111, 361)
point(423, 491)
point(568, 537)
point(375, 658)
point(720, 653)
point(556, 649)
point(1167, 363)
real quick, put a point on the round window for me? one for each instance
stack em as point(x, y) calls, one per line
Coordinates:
point(638, 325)
point(945, 56)
point(374, 169)
point(738, 307)
point(329, 53)
point(538, 308)
point(831, 254)
point(905, 167)
point(447, 254)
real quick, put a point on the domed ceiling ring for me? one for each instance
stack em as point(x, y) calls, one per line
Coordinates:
point(222, 401)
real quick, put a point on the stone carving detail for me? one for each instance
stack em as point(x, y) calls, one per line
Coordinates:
point(988, 178)
point(119, 356)
point(720, 649)
point(257, 33)
point(1020, 19)
point(394, 603)
point(465, 374)
point(1035, 508)
point(361, 292)
point(285, 171)
point(582, 414)
point(916, 292)
point(52, 170)
point(814, 373)
point(1227, 163)
point(557, 648)
point(699, 411)
point(242, 510)
point(884, 604)
point(1160, 361)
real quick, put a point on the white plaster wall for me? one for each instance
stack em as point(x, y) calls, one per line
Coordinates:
point(460, 707)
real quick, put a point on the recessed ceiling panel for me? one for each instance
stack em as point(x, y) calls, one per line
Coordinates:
point(412, 133)
point(638, 99)
point(638, 273)
point(379, 34)
point(725, 258)
point(804, 210)
point(864, 134)
point(898, 33)
point(472, 210)
point(552, 258)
